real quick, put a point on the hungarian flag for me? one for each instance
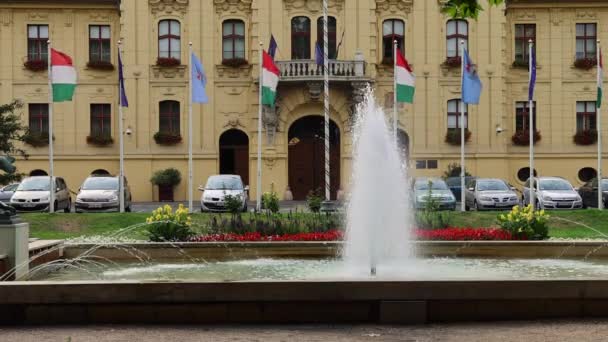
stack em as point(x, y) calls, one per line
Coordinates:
point(63, 76)
point(600, 80)
point(405, 79)
point(270, 80)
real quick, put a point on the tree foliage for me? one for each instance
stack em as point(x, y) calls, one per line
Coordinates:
point(463, 9)
point(11, 132)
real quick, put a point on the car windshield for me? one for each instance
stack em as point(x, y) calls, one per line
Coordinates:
point(224, 183)
point(100, 183)
point(435, 185)
point(492, 185)
point(554, 184)
point(34, 184)
point(11, 187)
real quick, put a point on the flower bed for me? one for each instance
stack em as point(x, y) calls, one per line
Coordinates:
point(452, 136)
point(447, 234)
point(163, 138)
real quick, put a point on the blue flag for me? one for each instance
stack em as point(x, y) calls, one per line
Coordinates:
point(272, 47)
point(199, 81)
point(471, 84)
point(121, 84)
point(532, 78)
point(318, 54)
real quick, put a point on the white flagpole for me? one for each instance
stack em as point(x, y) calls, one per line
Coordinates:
point(531, 131)
point(258, 204)
point(326, 102)
point(600, 197)
point(190, 131)
point(395, 91)
point(121, 172)
point(52, 186)
point(462, 131)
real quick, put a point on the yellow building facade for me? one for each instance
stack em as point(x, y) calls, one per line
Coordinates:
point(225, 34)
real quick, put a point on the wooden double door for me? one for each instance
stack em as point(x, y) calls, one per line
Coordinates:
point(307, 157)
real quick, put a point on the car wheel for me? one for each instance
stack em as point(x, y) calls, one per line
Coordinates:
point(475, 206)
point(128, 209)
point(68, 208)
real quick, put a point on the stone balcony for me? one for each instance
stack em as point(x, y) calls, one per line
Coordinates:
point(305, 70)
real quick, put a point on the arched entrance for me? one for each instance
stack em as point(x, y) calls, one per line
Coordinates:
point(307, 157)
point(38, 172)
point(234, 154)
point(100, 172)
point(403, 144)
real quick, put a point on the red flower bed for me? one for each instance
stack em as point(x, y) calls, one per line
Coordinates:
point(447, 234)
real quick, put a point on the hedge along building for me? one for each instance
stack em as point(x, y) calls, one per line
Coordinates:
point(225, 35)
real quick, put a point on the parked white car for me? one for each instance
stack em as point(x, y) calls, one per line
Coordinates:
point(490, 193)
point(33, 195)
point(220, 186)
point(553, 193)
point(100, 194)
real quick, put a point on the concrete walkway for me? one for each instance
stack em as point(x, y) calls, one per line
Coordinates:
point(578, 331)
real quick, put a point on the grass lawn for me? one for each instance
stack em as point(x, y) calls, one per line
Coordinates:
point(563, 224)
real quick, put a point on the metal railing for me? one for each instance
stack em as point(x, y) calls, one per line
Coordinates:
point(306, 69)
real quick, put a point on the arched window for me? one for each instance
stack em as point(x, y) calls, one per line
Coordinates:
point(331, 35)
point(454, 107)
point(233, 39)
point(456, 31)
point(300, 38)
point(169, 39)
point(169, 117)
point(100, 172)
point(38, 172)
point(392, 29)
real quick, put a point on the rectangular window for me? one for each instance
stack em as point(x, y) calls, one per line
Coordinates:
point(169, 117)
point(38, 117)
point(37, 42)
point(392, 29)
point(300, 38)
point(454, 108)
point(457, 30)
point(431, 164)
point(99, 43)
point(101, 120)
point(522, 118)
point(169, 39)
point(233, 39)
point(585, 116)
point(331, 35)
point(586, 41)
point(420, 164)
point(523, 34)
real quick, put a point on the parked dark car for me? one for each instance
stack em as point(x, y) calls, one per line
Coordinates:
point(455, 186)
point(588, 193)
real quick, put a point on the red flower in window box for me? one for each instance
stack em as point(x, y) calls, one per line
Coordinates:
point(452, 62)
point(452, 137)
point(522, 138)
point(162, 138)
point(36, 65)
point(36, 139)
point(167, 62)
point(100, 140)
point(585, 63)
point(234, 62)
point(586, 137)
point(100, 65)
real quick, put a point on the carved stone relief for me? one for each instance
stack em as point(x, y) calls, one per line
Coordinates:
point(169, 7)
point(313, 6)
point(232, 6)
point(394, 6)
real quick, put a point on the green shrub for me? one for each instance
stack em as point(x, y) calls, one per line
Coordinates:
point(430, 217)
point(525, 223)
point(314, 201)
point(270, 201)
point(234, 204)
point(167, 177)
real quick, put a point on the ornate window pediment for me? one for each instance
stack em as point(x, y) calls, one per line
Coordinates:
point(394, 6)
point(169, 7)
point(313, 6)
point(232, 6)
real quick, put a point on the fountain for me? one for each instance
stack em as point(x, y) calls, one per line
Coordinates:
point(379, 218)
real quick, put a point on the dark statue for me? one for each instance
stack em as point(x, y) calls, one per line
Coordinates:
point(8, 214)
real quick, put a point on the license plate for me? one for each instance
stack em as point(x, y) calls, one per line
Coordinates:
point(503, 204)
point(94, 205)
point(28, 205)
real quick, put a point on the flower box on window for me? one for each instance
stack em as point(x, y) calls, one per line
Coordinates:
point(521, 64)
point(100, 65)
point(36, 65)
point(162, 138)
point(452, 62)
point(522, 138)
point(586, 137)
point(585, 63)
point(100, 140)
point(234, 62)
point(452, 137)
point(168, 62)
point(36, 139)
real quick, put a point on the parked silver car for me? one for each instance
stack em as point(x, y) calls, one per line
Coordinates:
point(7, 192)
point(100, 194)
point(490, 193)
point(33, 195)
point(220, 186)
point(439, 192)
point(553, 193)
